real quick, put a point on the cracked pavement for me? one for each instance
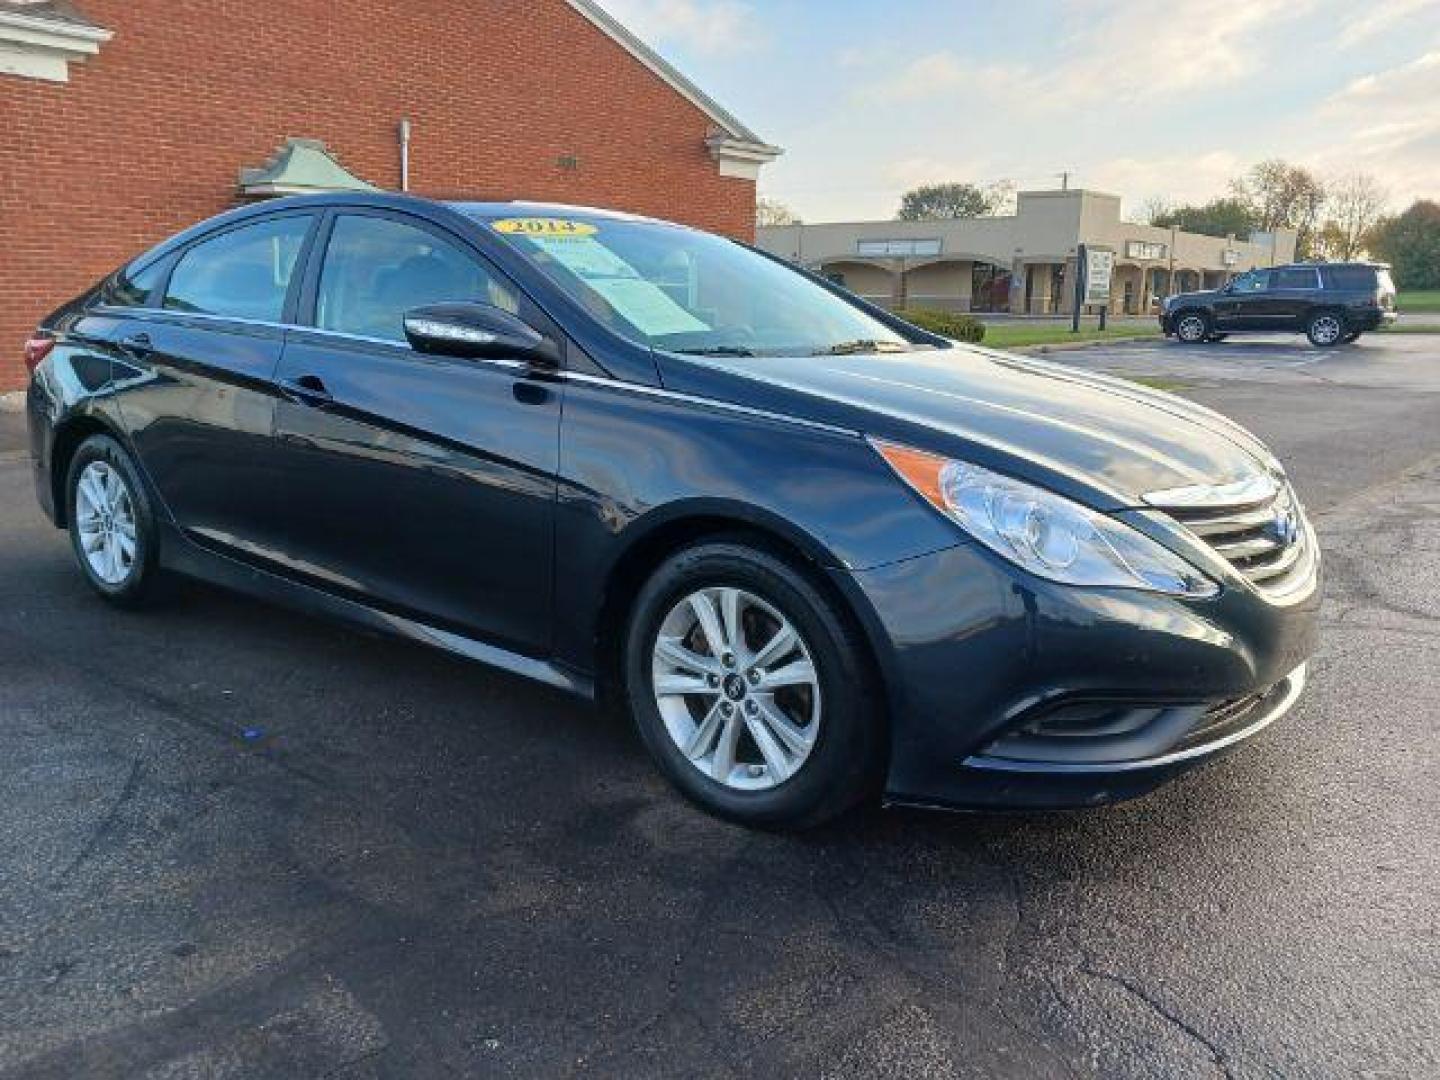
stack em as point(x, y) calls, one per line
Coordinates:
point(238, 842)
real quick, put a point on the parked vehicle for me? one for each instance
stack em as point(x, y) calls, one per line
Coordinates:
point(1331, 303)
point(817, 553)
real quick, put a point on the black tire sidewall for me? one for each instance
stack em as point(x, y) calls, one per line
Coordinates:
point(1310, 329)
point(1204, 327)
point(843, 766)
point(137, 584)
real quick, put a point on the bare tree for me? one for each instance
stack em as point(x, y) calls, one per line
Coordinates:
point(1284, 196)
point(771, 212)
point(1002, 197)
point(1152, 209)
point(1356, 203)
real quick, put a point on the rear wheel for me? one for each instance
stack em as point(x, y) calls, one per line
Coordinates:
point(1192, 327)
point(112, 526)
point(1325, 328)
point(751, 689)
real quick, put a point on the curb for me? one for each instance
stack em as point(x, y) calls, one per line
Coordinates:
point(1070, 346)
point(14, 401)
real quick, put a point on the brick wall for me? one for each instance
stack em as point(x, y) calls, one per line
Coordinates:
point(148, 137)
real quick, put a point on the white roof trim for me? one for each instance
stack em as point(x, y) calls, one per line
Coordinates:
point(735, 133)
point(39, 48)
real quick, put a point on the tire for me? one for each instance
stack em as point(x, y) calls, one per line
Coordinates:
point(112, 523)
point(1192, 327)
point(1325, 328)
point(825, 753)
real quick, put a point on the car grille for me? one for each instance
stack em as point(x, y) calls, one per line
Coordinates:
point(1256, 525)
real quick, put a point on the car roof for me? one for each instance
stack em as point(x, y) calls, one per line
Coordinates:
point(1316, 265)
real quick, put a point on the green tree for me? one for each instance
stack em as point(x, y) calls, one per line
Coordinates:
point(1218, 217)
point(1410, 243)
point(931, 202)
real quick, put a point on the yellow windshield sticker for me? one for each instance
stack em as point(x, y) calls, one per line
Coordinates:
point(549, 227)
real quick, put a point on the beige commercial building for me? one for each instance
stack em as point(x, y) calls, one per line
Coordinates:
point(1024, 263)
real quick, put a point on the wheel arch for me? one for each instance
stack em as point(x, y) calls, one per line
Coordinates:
point(661, 534)
point(69, 434)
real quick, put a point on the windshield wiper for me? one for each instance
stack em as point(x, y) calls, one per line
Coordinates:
point(865, 345)
point(718, 350)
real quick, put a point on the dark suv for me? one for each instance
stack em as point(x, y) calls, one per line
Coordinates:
point(1333, 303)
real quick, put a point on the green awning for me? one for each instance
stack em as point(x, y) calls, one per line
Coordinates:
point(300, 167)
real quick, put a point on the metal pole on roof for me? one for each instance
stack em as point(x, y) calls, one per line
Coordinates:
point(405, 153)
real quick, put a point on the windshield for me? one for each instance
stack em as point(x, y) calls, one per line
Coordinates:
point(679, 290)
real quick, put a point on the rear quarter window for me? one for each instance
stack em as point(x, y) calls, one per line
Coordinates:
point(133, 288)
point(1349, 278)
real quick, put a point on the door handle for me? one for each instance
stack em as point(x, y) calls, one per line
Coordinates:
point(307, 390)
point(138, 343)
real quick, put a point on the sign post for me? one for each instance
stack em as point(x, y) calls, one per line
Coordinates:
point(1094, 271)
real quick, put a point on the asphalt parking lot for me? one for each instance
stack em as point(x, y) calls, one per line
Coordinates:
point(238, 842)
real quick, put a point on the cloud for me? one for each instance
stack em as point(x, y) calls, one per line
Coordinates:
point(1191, 178)
point(1377, 17)
point(710, 27)
point(1109, 55)
point(1390, 126)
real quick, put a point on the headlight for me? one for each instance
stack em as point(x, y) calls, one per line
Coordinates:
point(1042, 532)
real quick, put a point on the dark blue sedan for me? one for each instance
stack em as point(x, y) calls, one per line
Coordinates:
point(817, 553)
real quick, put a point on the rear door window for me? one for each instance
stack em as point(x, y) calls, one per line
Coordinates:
point(243, 273)
point(1296, 277)
point(377, 268)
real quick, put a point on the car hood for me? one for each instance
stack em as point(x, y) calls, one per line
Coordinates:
point(1104, 441)
point(1205, 296)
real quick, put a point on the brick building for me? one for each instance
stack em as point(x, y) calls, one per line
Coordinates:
point(122, 121)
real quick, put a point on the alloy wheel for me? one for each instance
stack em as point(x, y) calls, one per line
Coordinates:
point(1191, 328)
point(737, 688)
point(105, 517)
point(1326, 330)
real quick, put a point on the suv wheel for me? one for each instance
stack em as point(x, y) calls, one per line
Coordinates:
point(1325, 328)
point(751, 689)
point(112, 527)
point(1192, 327)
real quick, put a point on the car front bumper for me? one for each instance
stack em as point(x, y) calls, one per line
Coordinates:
point(1006, 691)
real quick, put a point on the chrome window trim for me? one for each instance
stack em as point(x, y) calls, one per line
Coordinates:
point(512, 365)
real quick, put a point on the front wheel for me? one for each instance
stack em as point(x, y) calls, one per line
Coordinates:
point(751, 689)
point(1325, 328)
point(112, 526)
point(1192, 327)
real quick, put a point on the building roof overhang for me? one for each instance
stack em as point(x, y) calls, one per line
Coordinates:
point(737, 150)
point(39, 39)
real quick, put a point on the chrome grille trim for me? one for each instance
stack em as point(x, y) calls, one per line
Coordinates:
point(1242, 523)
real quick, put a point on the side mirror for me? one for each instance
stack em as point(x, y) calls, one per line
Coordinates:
point(478, 330)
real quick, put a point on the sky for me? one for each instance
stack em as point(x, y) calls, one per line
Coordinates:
point(1147, 100)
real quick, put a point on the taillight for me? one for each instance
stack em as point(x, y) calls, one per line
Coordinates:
point(36, 349)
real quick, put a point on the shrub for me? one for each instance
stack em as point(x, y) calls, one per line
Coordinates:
point(951, 324)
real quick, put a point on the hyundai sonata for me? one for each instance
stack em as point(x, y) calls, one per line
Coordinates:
point(817, 553)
